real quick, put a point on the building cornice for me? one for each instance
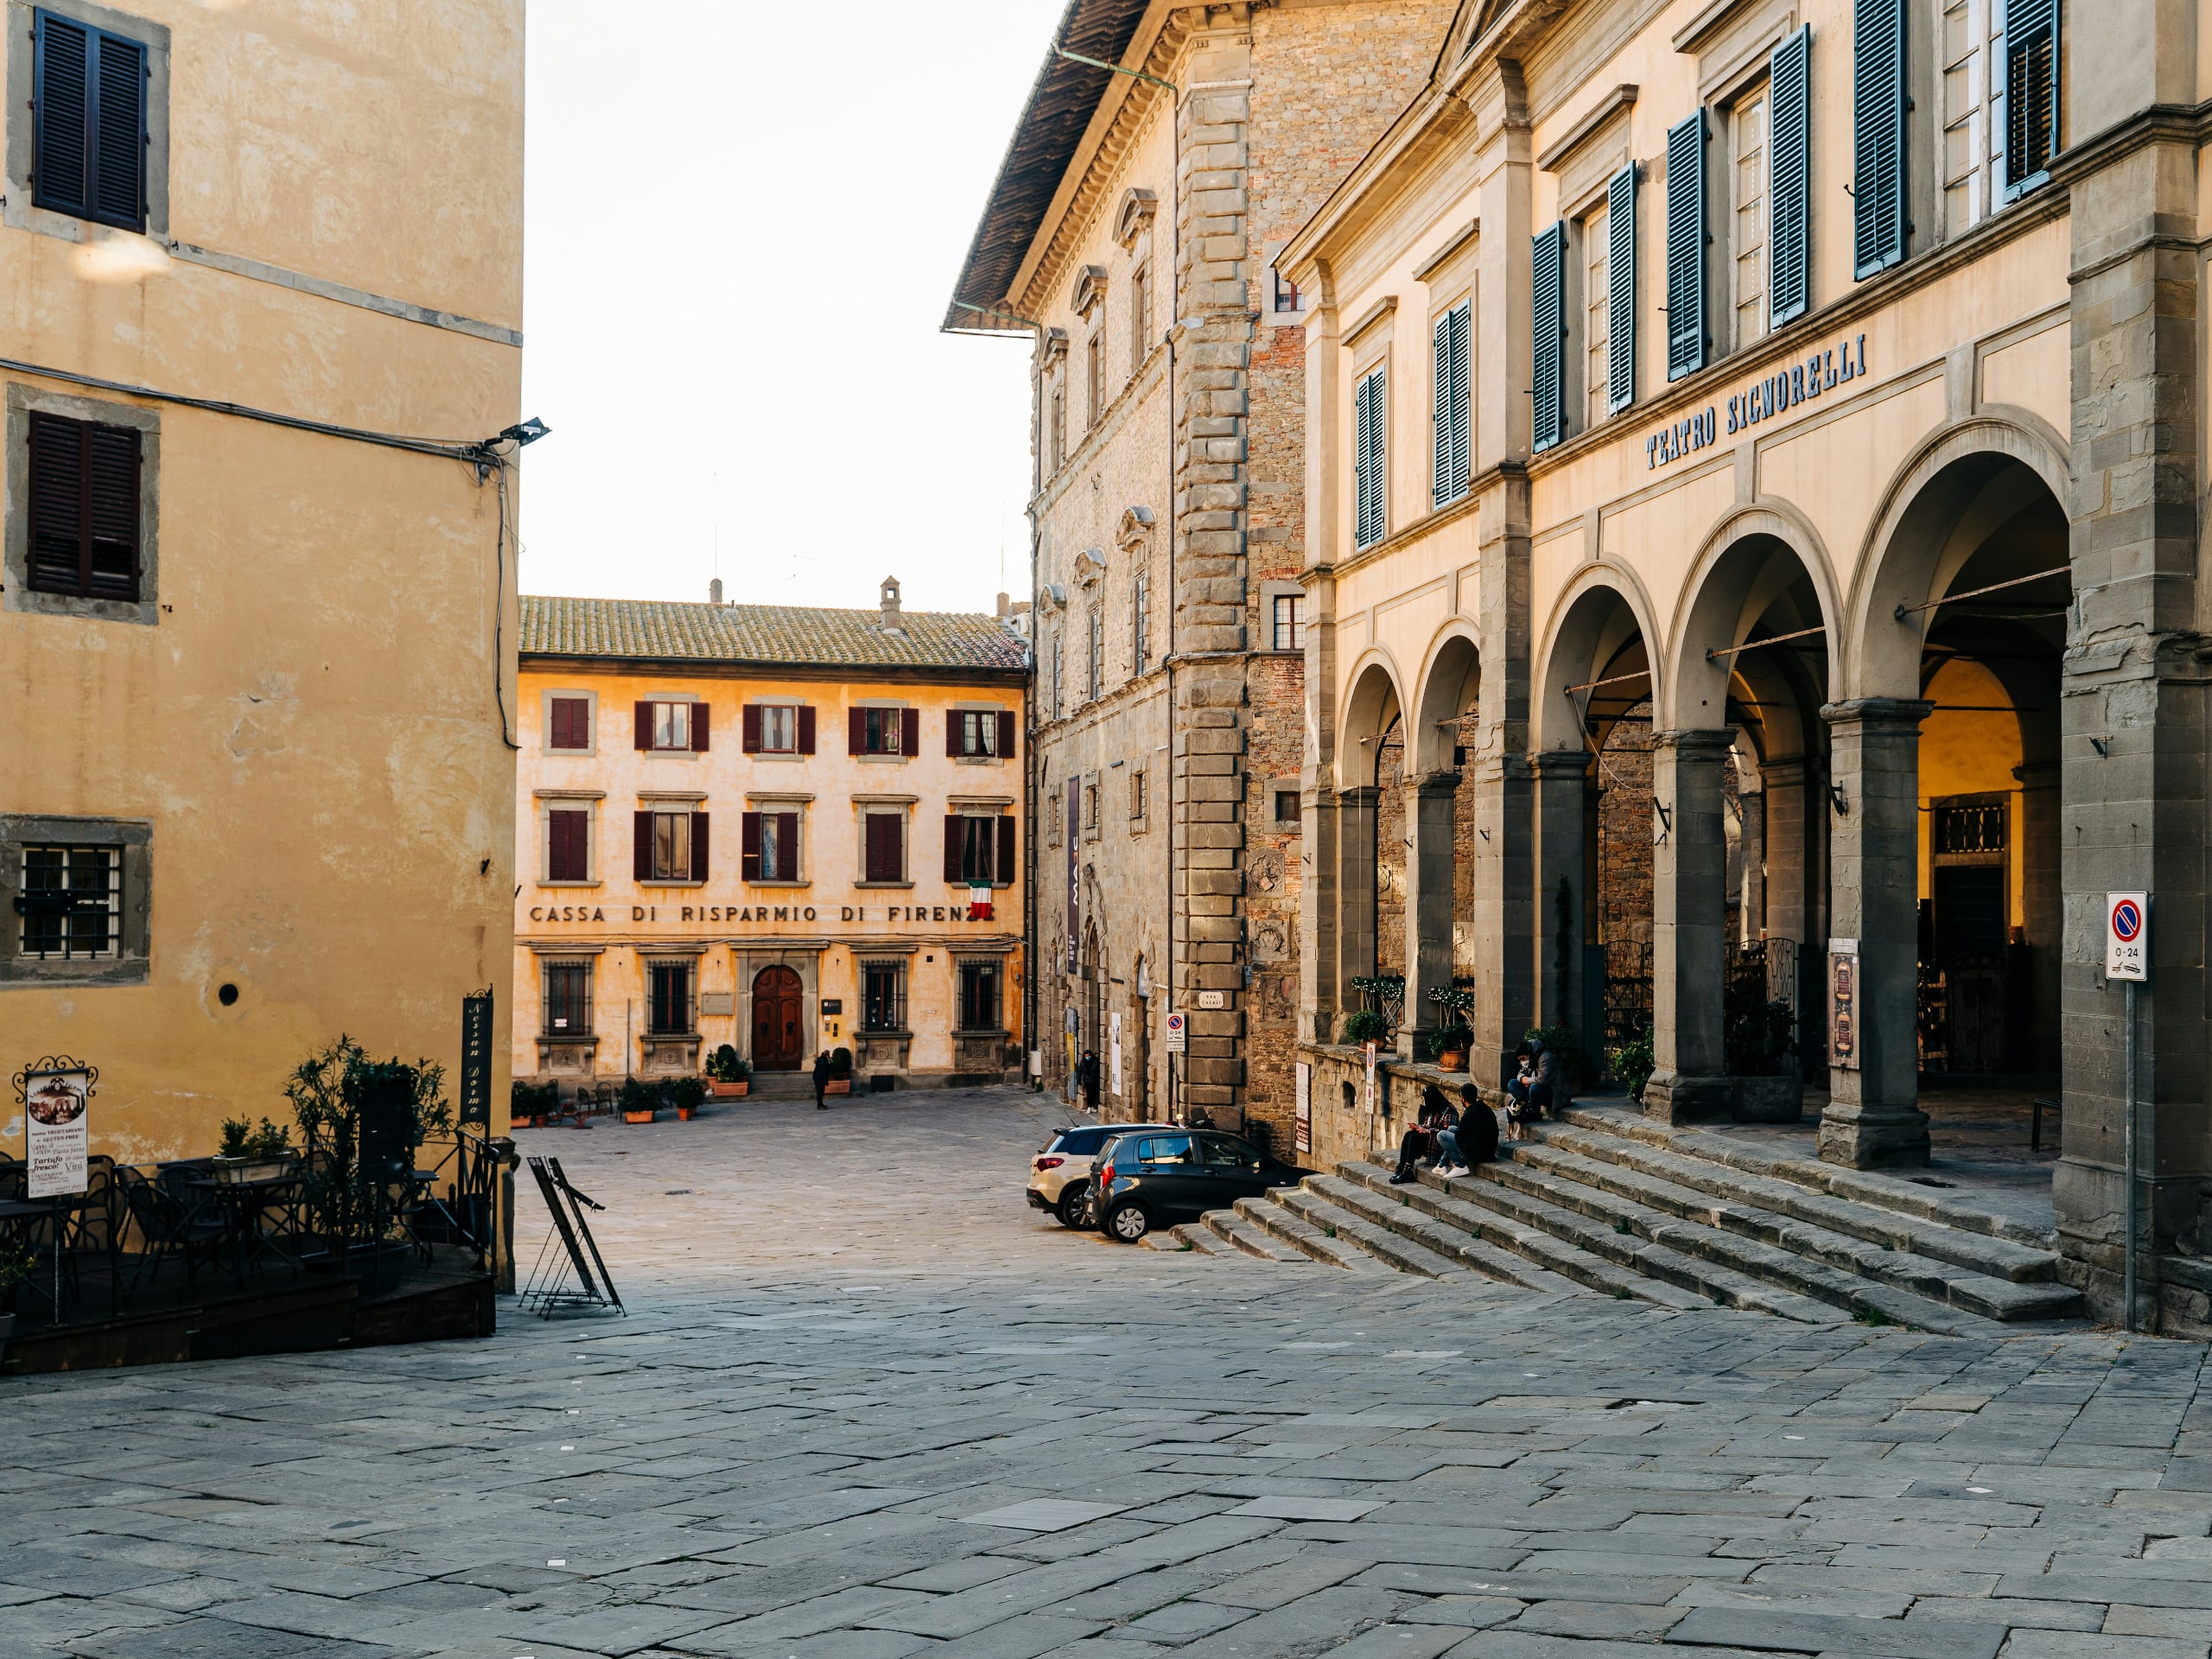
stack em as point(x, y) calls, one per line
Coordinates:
point(723, 669)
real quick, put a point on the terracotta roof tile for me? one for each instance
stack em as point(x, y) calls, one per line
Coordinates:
point(666, 630)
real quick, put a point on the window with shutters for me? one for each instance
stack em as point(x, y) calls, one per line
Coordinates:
point(770, 844)
point(567, 999)
point(1091, 811)
point(1056, 421)
point(75, 898)
point(1094, 376)
point(979, 850)
point(1140, 315)
point(883, 847)
point(1547, 320)
point(1056, 675)
point(1452, 405)
point(1596, 238)
point(1141, 621)
point(881, 731)
point(91, 106)
point(669, 1012)
point(1369, 433)
point(1095, 659)
point(1620, 290)
point(1748, 201)
point(568, 843)
point(778, 728)
point(1289, 620)
point(2024, 104)
point(1137, 791)
point(1878, 108)
point(1789, 178)
point(1689, 338)
point(1051, 818)
point(672, 726)
point(84, 496)
point(981, 733)
point(671, 846)
point(883, 995)
point(979, 995)
point(568, 721)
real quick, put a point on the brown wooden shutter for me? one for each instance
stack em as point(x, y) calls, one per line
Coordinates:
point(57, 505)
point(641, 847)
point(749, 853)
point(698, 729)
point(644, 711)
point(786, 847)
point(954, 720)
point(567, 846)
point(751, 735)
point(112, 500)
point(954, 825)
point(1004, 874)
point(1006, 735)
point(698, 846)
point(910, 731)
point(856, 731)
point(806, 729)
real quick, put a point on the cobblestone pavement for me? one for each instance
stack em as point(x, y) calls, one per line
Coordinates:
point(865, 1406)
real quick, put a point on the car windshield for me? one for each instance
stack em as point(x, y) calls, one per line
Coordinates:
point(1223, 1153)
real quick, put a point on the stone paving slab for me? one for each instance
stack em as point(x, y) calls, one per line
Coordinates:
point(795, 1442)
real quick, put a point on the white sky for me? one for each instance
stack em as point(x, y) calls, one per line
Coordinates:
point(739, 251)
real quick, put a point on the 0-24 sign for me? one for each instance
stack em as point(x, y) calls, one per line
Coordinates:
point(2127, 936)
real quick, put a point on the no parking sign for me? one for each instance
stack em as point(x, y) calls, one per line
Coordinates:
point(2127, 936)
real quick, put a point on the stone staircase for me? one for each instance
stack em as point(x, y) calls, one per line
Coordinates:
point(1609, 1202)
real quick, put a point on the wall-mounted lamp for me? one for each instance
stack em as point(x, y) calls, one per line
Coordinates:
point(1839, 800)
point(1666, 820)
point(2097, 744)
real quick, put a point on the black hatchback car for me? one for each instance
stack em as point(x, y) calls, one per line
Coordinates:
point(1151, 1177)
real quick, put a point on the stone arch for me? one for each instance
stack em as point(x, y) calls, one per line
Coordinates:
point(1373, 705)
point(1955, 481)
point(1740, 575)
point(1584, 633)
point(1450, 682)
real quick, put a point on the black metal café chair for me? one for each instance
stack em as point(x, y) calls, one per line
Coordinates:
point(92, 1227)
point(14, 1180)
point(169, 1226)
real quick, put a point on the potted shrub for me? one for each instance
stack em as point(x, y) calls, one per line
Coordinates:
point(730, 1074)
point(841, 1072)
point(1455, 1036)
point(532, 1103)
point(1364, 1026)
point(1760, 1039)
point(1632, 1064)
point(251, 1153)
point(639, 1101)
point(685, 1094)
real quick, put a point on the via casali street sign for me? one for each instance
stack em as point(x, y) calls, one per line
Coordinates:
point(2127, 936)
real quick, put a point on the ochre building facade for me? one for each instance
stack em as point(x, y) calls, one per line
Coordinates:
point(253, 787)
point(1129, 236)
point(1753, 466)
point(782, 828)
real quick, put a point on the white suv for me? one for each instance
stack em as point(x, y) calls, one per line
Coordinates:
point(1059, 1175)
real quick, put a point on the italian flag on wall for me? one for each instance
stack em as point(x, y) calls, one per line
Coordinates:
point(979, 903)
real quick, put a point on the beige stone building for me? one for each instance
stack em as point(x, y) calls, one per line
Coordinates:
point(1130, 235)
point(786, 828)
point(1754, 457)
point(257, 633)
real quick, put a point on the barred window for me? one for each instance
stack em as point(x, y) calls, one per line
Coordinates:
point(979, 996)
point(671, 1013)
point(72, 902)
point(883, 995)
point(568, 999)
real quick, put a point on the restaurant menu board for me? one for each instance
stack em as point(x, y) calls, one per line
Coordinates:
point(54, 1103)
point(1843, 1003)
point(1305, 1107)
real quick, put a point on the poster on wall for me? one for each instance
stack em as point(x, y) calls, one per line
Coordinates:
point(1371, 1079)
point(1843, 1003)
point(1304, 1141)
point(54, 1115)
point(1114, 1051)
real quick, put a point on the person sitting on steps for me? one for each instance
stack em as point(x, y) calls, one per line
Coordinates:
point(1436, 1115)
point(1473, 1140)
point(1533, 1088)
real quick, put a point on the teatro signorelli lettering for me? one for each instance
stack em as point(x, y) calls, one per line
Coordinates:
point(1787, 387)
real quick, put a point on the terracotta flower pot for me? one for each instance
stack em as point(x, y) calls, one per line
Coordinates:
point(1453, 1059)
point(838, 1086)
point(729, 1090)
point(684, 1114)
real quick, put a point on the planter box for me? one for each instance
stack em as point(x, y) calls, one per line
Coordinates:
point(1453, 1059)
point(728, 1090)
point(838, 1086)
point(1769, 1100)
point(252, 1169)
point(637, 1117)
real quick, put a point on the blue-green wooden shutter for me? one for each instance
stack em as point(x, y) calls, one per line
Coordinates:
point(1367, 414)
point(1878, 136)
point(1547, 334)
point(1453, 416)
point(1620, 294)
point(2030, 93)
point(1686, 236)
point(1789, 193)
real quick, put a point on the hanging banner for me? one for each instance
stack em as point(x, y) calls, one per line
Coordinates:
point(54, 1113)
point(476, 1059)
point(1305, 1107)
point(1843, 1003)
point(1074, 891)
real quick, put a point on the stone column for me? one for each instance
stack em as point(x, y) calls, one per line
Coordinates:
point(1428, 900)
point(1317, 915)
point(1690, 922)
point(1782, 836)
point(1356, 811)
point(2041, 908)
point(1873, 1118)
point(1561, 778)
point(1750, 895)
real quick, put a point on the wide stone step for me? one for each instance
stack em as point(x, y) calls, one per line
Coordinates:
point(1500, 1248)
point(1870, 1187)
point(1610, 1183)
point(1316, 1243)
point(1691, 1254)
point(1548, 1250)
point(1187, 1237)
point(1394, 1250)
point(1232, 1229)
point(1999, 1258)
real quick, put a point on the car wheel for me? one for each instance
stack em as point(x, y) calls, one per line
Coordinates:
point(1129, 1223)
point(1074, 1207)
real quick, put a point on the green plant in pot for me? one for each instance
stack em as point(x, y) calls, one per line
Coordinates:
point(841, 1071)
point(1632, 1064)
point(1364, 1026)
point(639, 1100)
point(253, 1152)
point(1453, 1037)
point(351, 1198)
point(685, 1094)
point(1759, 1039)
point(729, 1073)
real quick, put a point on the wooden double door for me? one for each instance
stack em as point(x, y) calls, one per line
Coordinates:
point(779, 1019)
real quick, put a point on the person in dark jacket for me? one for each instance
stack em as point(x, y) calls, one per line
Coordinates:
point(821, 1080)
point(1421, 1141)
point(1532, 1090)
point(1086, 1078)
point(1473, 1140)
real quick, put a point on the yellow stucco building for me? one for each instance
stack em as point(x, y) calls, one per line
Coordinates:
point(782, 828)
point(256, 633)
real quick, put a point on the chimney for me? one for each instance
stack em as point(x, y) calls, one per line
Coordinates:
point(715, 591)
point(890, 598)
point(1003, 598)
